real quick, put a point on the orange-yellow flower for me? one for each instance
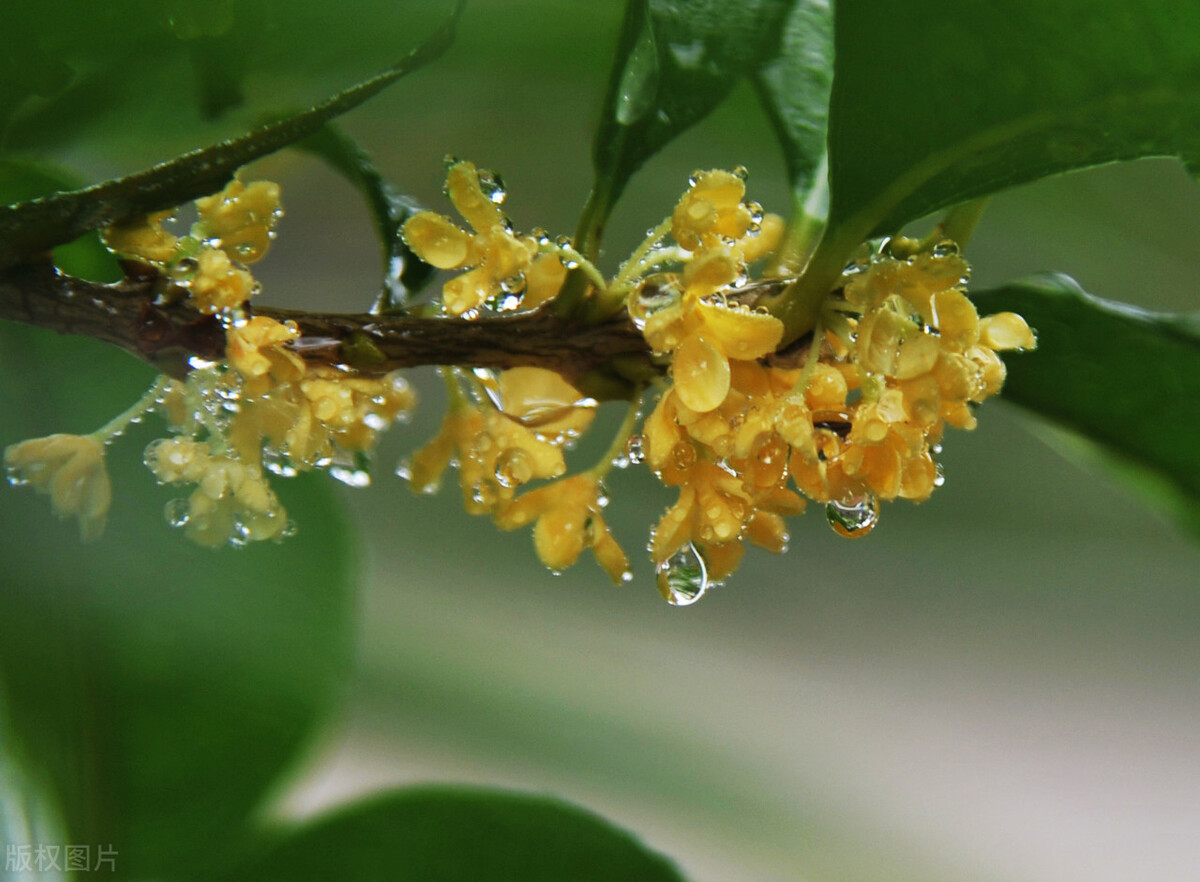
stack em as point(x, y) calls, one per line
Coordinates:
point(70, 470)
point(570, 518)
point(495, 258)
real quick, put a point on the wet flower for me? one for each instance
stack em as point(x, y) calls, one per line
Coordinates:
point(70, 470)
point(256, 350)
point(217, 284)
point(569, 518)
point(240, 219)
point(495, 258)
point(506, 441)
point(142, 237)
point(232, 502)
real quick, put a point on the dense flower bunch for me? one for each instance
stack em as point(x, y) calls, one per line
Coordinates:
point(747, 437)
point(746, 427)
point(262, 407)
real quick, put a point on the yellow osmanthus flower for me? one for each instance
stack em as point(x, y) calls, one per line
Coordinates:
point(70, 470)
point(497, 260)
point(256, 350)
point(232, 501)
point(240, 220)
point(501, 444)
point(218, 285)
point(569, 518)
point(142, 237)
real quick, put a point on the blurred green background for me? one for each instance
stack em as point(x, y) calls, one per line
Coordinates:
point(1000, 684)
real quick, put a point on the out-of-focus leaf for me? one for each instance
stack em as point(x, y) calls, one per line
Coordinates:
point(160, 687)
point(934, 104)
point(403, 272)
point(676, 60)
point(1126, 379)
point(33, 227)
point(795, 90)
point(459, 835)
point(86, 257)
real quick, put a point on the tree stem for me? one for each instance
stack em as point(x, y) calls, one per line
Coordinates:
point(163, 330)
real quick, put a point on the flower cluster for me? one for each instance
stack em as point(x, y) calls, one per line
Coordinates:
point(501, 266)
point(262, 407)
point(899, 354)
point(747, 426)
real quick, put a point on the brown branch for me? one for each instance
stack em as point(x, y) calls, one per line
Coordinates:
point(153, 321)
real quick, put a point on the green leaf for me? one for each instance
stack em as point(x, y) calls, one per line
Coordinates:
point(676, 60)
point(403, 272)
point(1126, 379)
point(794, 86)
point(34, 227)
point(159, 686)
point(459, 835)
point(935, 104)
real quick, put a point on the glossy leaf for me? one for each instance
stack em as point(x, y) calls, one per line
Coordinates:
point(1124, 378)
point(403, 272)
point(459, 835)
point(159, 687)
point(795, 86)
point(676, 60)
point(33, 227)
point(935, 104)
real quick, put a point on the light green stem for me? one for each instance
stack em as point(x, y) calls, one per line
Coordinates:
point(143, 405)
point(620, 441)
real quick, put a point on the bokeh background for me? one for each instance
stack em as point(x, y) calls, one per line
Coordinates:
point(1000, 684)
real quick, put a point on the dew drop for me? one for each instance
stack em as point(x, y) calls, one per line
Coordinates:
point(177, 511)
point(740, 171)
point(404, 469)
point(635, 449)
point(492, 186)
point(278, 463)
point(853, 517)
point(351, 476)
point(940, 478)
point(654, 295)
point(683, 577)
point(514, 466)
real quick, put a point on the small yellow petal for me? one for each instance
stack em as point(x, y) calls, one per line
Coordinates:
point(1006, 330)
point(476, 207)
point(738, 331)
point(437, 240)
point(701, 374)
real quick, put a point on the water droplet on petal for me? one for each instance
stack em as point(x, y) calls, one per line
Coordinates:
point(853, 517)
point(940, 478)
point(278, 463)
point(351, 477)
point(177, 511)
point(514, 467)
point(683, 577)
point(635, 449)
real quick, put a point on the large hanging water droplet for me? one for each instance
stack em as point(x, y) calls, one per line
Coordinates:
point(683, 577)
point(853, 517)
point(177, 511)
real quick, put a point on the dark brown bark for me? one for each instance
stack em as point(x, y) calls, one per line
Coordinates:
point(155, 323)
